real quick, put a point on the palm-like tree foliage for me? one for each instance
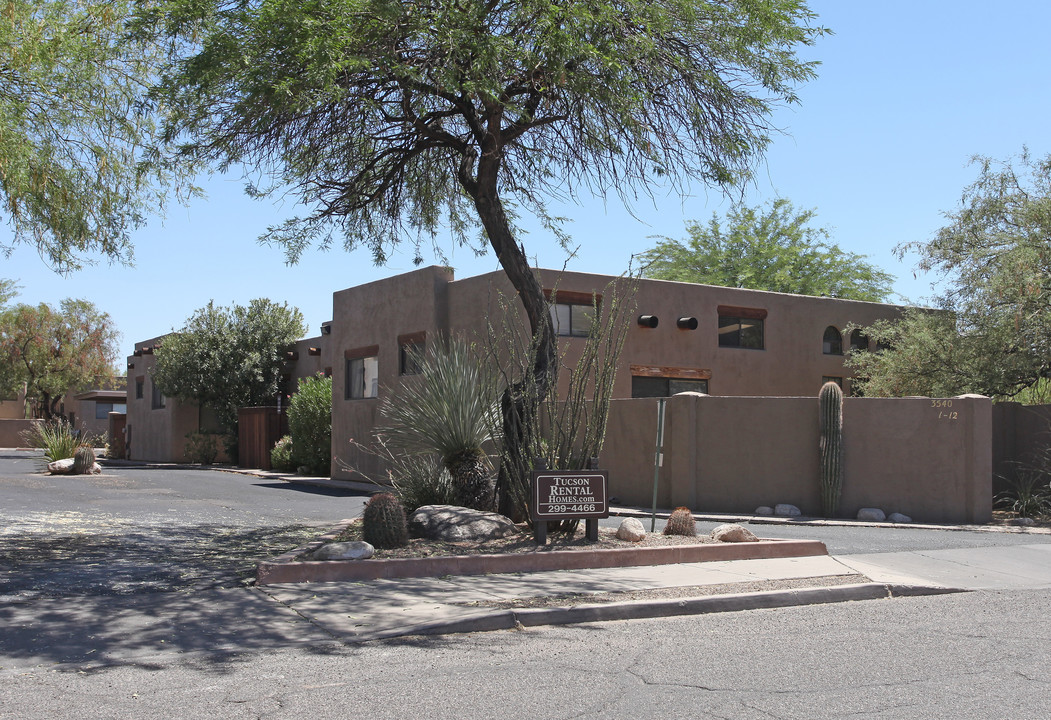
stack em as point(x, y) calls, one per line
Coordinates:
point(451, 410)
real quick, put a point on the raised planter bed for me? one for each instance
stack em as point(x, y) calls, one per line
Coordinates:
point(288, 568)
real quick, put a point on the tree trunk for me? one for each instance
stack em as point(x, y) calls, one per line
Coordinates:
point(519, 407)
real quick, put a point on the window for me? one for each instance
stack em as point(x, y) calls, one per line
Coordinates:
point(103, 409)
point(571, 319)
point(157, 400)
point(363, 378)
point(858, 340)
point(832, 342)
point(741, 327)
point(830, 378)
point(139, 383)
point(572, 313)
point(644, 387)
point(410, 352)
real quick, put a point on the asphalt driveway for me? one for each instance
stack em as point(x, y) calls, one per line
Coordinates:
point(137, 530)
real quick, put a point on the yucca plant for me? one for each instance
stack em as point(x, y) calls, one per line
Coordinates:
point(450, 410)
point(57, 438)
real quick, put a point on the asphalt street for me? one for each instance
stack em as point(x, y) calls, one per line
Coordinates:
point(970, 655)
point(129, 595)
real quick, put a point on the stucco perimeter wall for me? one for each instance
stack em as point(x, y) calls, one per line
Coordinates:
point(929, 459)
point(11, 430)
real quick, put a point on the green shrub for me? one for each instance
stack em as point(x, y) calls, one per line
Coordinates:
point(1028, 495)
point(201, 447)
point(281, 455)
point(56, 438)
point(420, 480)
point(310, 424)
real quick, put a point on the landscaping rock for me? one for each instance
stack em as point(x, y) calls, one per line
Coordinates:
point(871, 515)
point(451, 523)
point(631, 529)
point(764, 510)
point(732, 532)
point(899, 518)
point(786, 510)
point(1023, 521)
point(65, 467)
point(354, 550)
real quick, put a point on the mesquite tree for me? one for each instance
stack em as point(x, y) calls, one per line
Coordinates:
point(410, 119)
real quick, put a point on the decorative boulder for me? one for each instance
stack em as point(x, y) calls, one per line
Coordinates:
point(451, 523)
point(631, 529)
point(1023, 521)
point(65, 467)
point(872, 515)
point(786, 510)
point(899, 518)
point(764, 510)
point(354, 550)
point(732, 532)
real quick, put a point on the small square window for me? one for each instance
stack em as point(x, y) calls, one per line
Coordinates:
point(410, 355)
point(362, 378)
point(740, 332)
point(157, 399)
point(571, 319)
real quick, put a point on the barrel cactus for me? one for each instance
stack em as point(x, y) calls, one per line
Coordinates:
point(83, 461)
point(831, 444)
point(383, 522)
point(681, 522)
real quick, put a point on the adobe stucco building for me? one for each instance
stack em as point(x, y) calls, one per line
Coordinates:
point(745, 433)
point(686, 337)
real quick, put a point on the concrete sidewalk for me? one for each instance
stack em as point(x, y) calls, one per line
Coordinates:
point(357, 612)
point(361, 611)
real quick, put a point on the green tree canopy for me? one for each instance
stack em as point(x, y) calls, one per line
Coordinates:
point(74, 128)
point(776, 249)
point(226, 358)
point(397, 120)
point(994, 253)
point(394, 119)
point(55, 351)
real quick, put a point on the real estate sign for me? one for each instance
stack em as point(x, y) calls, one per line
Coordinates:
point(571, 494)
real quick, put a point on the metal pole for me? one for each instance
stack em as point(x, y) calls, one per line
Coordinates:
point(658, 459)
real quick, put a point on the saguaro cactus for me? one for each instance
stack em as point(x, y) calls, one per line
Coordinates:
point(831, 417)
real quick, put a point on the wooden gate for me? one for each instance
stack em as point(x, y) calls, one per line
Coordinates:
point(258, 430)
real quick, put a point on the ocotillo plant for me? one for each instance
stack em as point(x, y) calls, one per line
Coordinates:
point(831, 418)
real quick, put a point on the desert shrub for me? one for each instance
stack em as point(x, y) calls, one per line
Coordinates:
point(201, 447)
point(56, 438)
point(281, 455)
point(310, 424)
point(420, 480)
point(383, 522)
point(681, 523)
point(1028, 494)
point(451, 411)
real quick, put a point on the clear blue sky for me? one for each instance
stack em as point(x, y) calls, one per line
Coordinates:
point(879, 146)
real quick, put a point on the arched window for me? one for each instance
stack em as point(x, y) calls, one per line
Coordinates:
point(859, 340)
point(832, 343)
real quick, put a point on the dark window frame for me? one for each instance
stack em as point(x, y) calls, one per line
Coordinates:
point(832, 345)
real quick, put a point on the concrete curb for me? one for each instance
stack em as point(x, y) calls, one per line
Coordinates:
point(648, 609)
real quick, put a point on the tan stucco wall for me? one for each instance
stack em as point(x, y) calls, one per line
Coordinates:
point(155, 434)
point(791, 363)
point(734, 454)
point(377, 314)
point(430, 300)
